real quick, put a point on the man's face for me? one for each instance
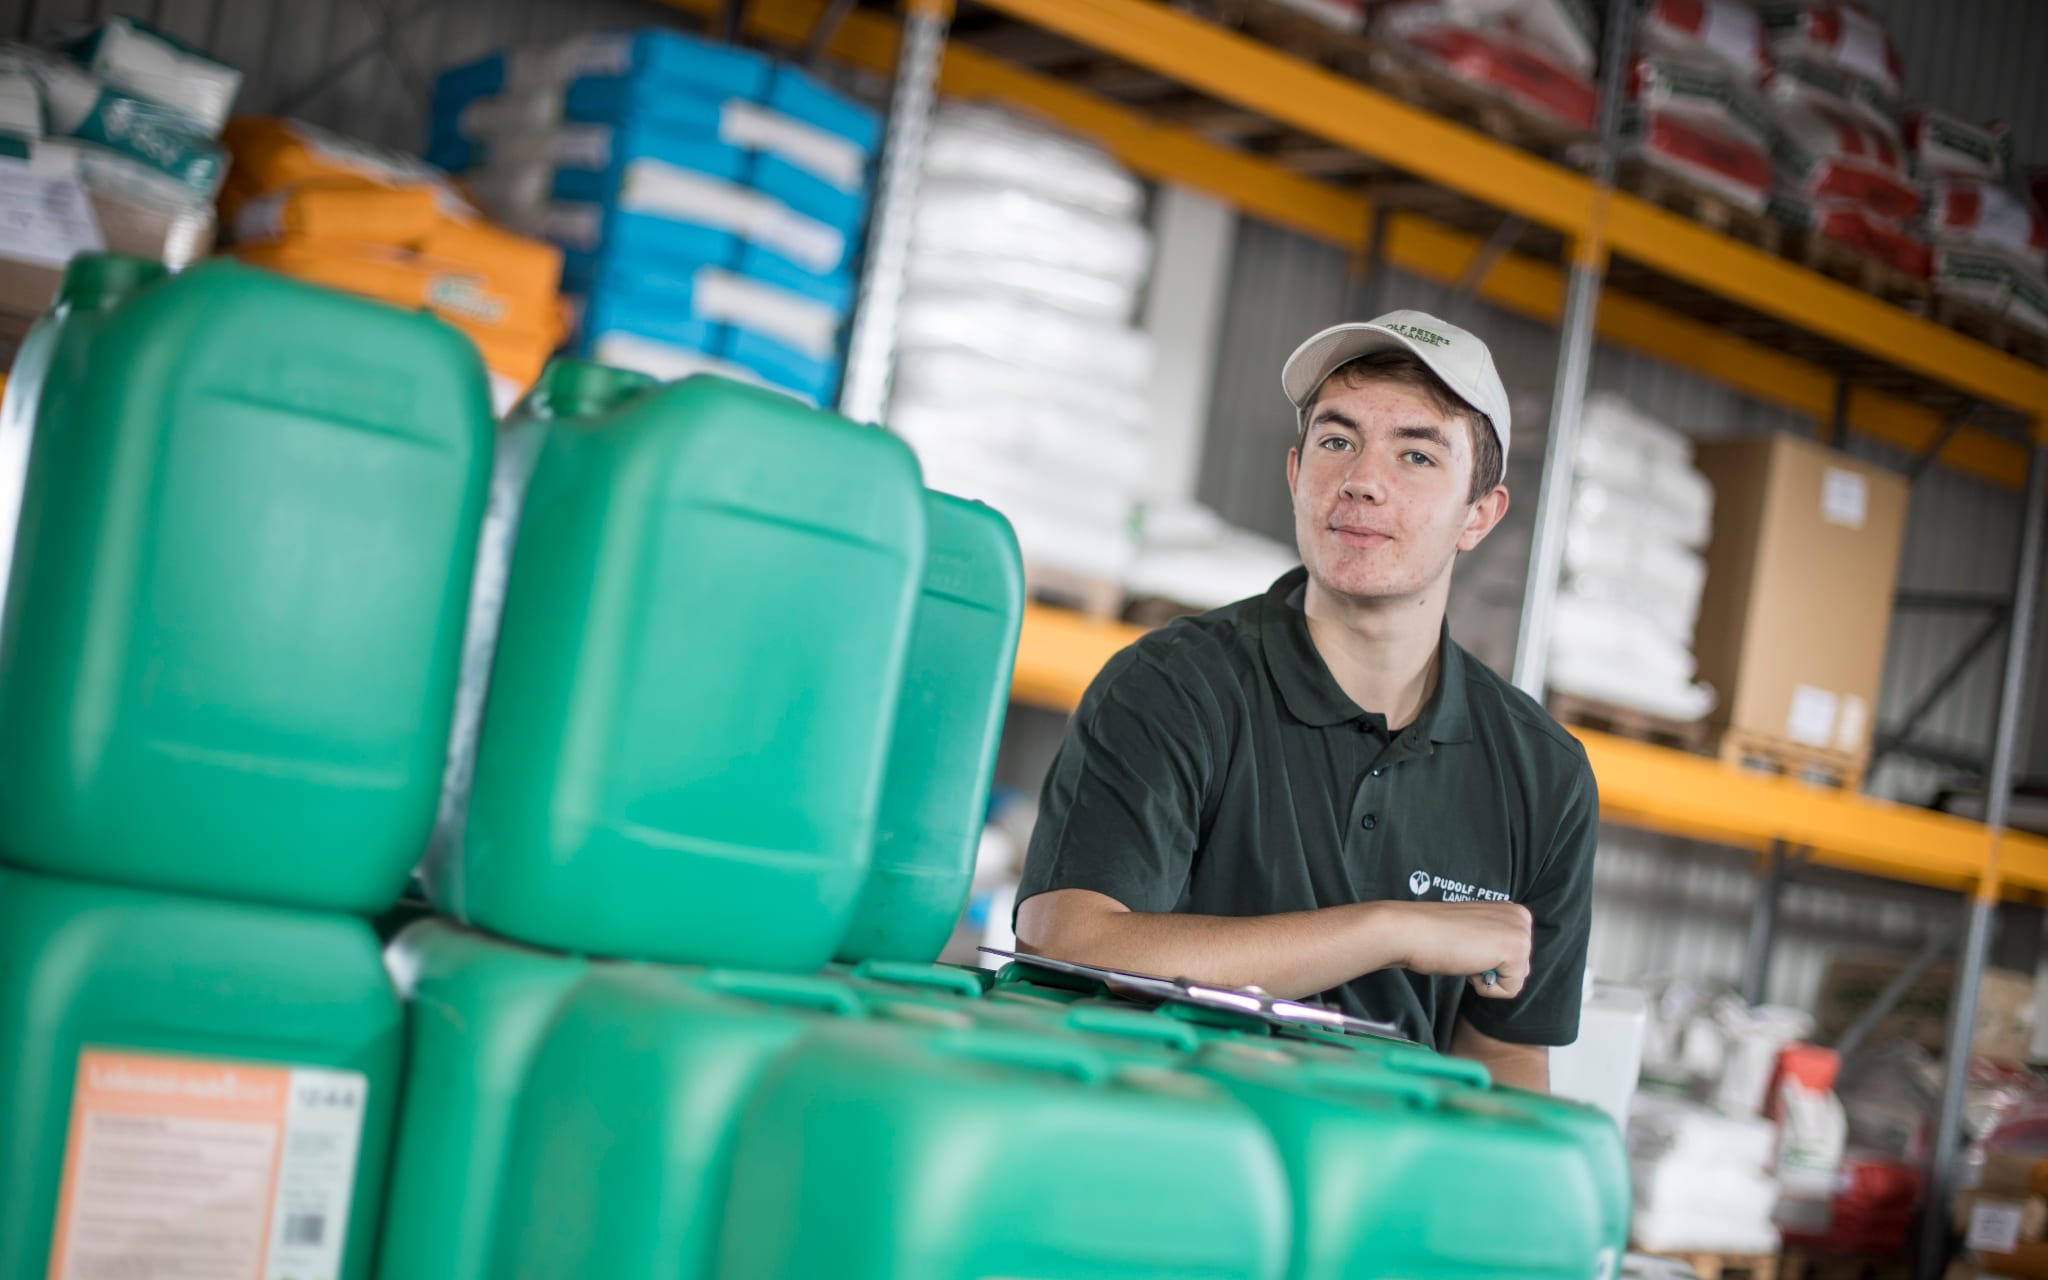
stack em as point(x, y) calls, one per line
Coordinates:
point(1380, 486)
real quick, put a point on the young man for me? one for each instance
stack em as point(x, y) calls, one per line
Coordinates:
point(1316, 791)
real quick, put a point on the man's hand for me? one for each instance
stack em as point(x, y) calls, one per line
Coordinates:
point(1467, 940)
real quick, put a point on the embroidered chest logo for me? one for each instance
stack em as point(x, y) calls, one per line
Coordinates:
point(1421, 882)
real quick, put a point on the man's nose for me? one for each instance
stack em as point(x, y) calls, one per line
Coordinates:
point(1365, 481)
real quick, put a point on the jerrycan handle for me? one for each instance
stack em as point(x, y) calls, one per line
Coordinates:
point(931, 977)
point(574, 388)
point(103, 281)
point(1012, 1049)
point(1438, 1066)
point(1135, 1025)
point(798, 991)
point(1424, 1095)
point(1014, 973)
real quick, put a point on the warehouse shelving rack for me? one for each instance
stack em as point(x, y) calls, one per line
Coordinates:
point(1547, 240)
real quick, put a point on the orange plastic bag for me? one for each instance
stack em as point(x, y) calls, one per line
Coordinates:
point(452, 290)
point(418, 218)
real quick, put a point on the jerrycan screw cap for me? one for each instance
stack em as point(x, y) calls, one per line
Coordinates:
point(102, 281)
point(572, 388)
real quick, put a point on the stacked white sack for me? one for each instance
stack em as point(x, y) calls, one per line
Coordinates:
point(1641, 514)
point(1020, 380)
point(1189, 554)
point(1702, 1179)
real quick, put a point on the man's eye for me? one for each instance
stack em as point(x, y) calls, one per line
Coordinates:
point(1417, 455)
point(1334, 442)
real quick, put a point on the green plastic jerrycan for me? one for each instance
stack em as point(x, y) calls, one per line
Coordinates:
point(1392, 1152)
point(704, 634)
point(1594, 1132)
point(880, 1151)
point(626, 1136)
point(239, 1063)
point(232, 630)
point(948, 724)
point(477, 1010)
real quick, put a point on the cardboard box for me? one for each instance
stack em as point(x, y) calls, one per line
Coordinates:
point(127, 226)
point(2005, 1006)
point(1996, 1221)
point(1800, 575)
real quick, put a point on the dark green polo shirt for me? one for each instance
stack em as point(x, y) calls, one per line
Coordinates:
point(1215, 767)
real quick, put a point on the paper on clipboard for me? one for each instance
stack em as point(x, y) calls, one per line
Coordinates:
point(1250, 1001)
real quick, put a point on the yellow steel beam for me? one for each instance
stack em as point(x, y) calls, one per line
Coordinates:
point(1685, 250)
point(1255, 186)
point(1263, 189)
point(1641, 785)
point(1060, 651)
point(1262, 79)
point(1662, 789)
point(1536, 289)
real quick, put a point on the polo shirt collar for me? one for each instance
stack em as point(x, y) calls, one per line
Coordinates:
point(1313, 696)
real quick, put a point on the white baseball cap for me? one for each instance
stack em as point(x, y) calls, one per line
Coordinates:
point(1460, 359)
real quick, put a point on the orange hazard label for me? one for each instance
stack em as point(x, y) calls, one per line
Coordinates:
point(199, 1168)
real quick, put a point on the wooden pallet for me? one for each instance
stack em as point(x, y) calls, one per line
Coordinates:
point(1794, 1265)
point(1092, 597)
point(1765, 754)
point(1729, 1266)
point(1851, 266)
point(1156, 611)
point(1626, 722)
point(1992, 329)
point(1708, 208)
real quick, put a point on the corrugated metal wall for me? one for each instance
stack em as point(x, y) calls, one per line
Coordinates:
point(321, 60)
point(1980, 59)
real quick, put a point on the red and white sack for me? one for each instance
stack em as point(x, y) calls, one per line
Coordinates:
point(1993, 281)
point(1513, 69)
point(1825, 154)
point(1799, 80)
point(1727, 33)
point(1894, 243)
point(1345, 15)
point(1845, 36)
point(1986, 215)
point(1726, 163)
point(1709, 95)
point(1940, 145)
point(1563, 30)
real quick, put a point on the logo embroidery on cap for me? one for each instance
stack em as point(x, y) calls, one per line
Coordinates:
point(1420, 335)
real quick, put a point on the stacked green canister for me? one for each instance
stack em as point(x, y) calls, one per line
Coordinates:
point(227, 659)
point(684, 700)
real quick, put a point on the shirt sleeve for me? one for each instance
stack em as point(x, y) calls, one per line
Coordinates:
point(1561, 900)
point(1120, 811)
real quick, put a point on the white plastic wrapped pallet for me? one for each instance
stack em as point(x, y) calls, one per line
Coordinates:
point(1019, 378)
point(1190, 554)
point(1639, 517)
point(1702, 1180)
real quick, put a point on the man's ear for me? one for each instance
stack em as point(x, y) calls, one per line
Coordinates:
point(1484, 515)
point(1293, 469)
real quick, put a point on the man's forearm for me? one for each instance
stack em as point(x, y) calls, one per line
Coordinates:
point(1291, 955)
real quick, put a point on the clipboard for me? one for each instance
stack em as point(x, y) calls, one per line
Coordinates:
point(1245, 1000)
